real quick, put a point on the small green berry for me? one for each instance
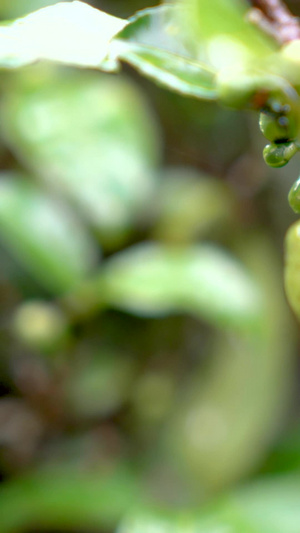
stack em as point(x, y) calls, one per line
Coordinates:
point(278, 126)
point(278, 155)
point(294, 196)
point(292, 261)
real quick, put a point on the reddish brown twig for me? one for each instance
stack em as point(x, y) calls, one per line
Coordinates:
point(274, 18)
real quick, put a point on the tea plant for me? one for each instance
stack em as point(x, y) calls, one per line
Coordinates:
point(66, 129)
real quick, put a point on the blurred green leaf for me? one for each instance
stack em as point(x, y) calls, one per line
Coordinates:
point(228, 17)
point(68, 499)
point(154, 280)
point(152, 399)
point(100, 387)
point(68, 32)
point(230, 38)
point(91, 138)
point(272, 505)
point(228, 416)
point(266, 506)
point(15, 8)
point(189, 204)
point(152, 43)
point(285, 455)
point(37, 228)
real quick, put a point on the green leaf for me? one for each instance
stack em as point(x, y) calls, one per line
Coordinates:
point(152, 43)
point(17, 8)
point(99, 388)
point(266, 506)
point(272, 505)
point(224, 423)
point(229, 37)
point(154, 280)
point(67, 499)
point(89, 136)
point(44, 235)
point(68, 32)
point(285, 455)
point(189, 204)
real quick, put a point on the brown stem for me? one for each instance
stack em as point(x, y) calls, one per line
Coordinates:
point(273, 17)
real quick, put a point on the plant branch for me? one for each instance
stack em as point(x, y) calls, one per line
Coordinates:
point(274, 18)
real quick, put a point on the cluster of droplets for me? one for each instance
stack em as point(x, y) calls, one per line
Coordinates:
point(279, 125)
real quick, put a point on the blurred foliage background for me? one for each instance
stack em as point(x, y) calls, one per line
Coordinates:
point(148, 356)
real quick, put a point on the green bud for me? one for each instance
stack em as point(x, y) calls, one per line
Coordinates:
point(278, 155)
point(294, 196)
point(278, 126)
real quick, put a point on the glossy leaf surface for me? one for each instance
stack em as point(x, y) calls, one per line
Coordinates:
point(153, 43)
point(68, 32)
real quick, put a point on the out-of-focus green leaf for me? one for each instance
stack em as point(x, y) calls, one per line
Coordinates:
point(285, 455)
point(90, 137)
point(230, 38)
point(226, 419)
point(289, 58)
point(267, 506)
point(44, 235)
point(229, 19)
point(100, 387)
point(64, 499)
point(15, 8)
point(153, 44)
point(272, 506)
point(190, 204)
point(68, 32)
point(152, 399)
point(67, 499)
point(154, 280)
